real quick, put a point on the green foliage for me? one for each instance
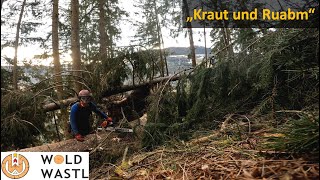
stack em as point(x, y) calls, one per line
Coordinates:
point(215, 92)
point(164, 122)
point(89, 11)
point(301, 135)
point(114, 72)
point(21, 120)
point(23, 123)
point(154, 135)
point(147, 34)
point(5, 78)
point(33, 11)
point(138, 65)
point(145, 64)
point(276, 71)
point(106, 74)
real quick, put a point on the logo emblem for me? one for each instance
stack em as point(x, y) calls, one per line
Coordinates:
point(15, 166)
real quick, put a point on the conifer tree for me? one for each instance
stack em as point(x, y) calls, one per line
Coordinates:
point(75, 43)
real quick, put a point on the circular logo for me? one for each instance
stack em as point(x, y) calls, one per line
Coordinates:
point(58, 159)
point(15, 166)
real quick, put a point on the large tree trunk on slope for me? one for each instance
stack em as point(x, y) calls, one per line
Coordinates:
point(93, 142)
point(111, 91)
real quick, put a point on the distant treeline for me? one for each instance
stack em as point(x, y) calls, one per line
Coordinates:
point(186, 50)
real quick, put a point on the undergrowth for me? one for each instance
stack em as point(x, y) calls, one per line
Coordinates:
point(279, 72)
point(21, 120)
point(300, 135)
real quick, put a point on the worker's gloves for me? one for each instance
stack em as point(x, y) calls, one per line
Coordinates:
point(79, 137)
point(107, 122)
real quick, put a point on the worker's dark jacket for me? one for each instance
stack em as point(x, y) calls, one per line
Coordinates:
point(79, 117)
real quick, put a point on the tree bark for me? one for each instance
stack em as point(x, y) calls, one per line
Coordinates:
point(162, 63)
point(2, 1)
point(55, 46)
point(75, 42)
point(57, 66)
point(102, 28)
point(165, 58)
point(192, 48)
point(205, 44)
point(227, 41)
point(58, 105)
point(121, 89)
point(70, 145)
point(16, 45)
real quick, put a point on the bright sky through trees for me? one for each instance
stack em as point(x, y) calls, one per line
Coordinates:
point(127, 35)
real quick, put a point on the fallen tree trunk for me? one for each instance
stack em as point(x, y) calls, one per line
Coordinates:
point(111, 91)
point(58, 105)
point(126, 88)
point(71, 145)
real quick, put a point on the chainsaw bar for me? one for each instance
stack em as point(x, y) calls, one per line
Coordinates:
point(117, 129)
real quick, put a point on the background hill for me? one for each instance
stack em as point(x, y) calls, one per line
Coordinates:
point(186, 50)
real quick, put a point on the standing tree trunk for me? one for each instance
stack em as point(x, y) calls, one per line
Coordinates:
point(205, 44)
point(161, 43)
point(55, 46)
point(102, 29)
point(2, 1)
point(205, 40)
point(16, 44)
point(109, 34)
point(159, 37)
point(75, 43)
point(192, 49)
point(227, 41)
point(165, 57)
point(57, 66)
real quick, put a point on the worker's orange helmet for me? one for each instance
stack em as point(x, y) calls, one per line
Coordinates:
point(85, 93)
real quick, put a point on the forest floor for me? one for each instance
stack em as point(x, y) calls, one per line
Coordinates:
point(210, 155)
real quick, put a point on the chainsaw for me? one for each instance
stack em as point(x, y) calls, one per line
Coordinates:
point(116, 129)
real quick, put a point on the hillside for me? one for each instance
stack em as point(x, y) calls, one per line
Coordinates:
point(253, 114)
point(213, 155)
point(186, 50)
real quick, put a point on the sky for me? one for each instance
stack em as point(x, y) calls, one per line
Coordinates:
point(128, 32)
point(180, 41)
